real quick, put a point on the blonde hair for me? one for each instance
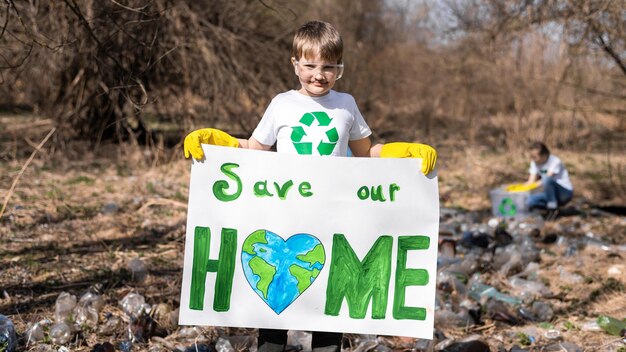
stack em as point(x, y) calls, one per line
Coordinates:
point(317, 37)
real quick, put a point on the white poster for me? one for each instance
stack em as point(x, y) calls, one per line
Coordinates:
point(311, 243)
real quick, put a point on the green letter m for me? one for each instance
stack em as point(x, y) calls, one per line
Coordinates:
point(359, 281)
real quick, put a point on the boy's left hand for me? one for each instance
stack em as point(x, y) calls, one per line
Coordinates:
point(192, 145)
point(427, 153)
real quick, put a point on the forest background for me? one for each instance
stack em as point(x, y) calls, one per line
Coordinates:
point(476, 79)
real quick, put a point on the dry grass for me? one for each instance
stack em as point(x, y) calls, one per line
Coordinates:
point(58, 235)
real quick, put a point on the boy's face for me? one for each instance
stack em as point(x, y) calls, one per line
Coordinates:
point(537, 157)
point(317, 76)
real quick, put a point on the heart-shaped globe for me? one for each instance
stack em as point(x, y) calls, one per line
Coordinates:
point(280, 270)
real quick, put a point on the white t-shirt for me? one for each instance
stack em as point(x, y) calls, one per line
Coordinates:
point(555, 167)
point(301, 124)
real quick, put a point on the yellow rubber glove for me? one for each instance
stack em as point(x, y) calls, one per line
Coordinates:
point(427, 153)
point(207, 136)
point(521, 187)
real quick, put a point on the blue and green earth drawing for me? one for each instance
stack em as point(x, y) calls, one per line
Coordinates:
point(279, 270)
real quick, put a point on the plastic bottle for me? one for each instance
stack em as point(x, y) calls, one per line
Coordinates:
point(479, 290)
point(7, 334)
point(60, 333)
point(134, 305)
point(88, 309)
point(63, 307)
point(612, 326)
point(35, 332)
point(542, 310)
point(138, 269)
point(223, 345)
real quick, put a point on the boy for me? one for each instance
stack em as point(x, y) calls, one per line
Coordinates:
point(313, 120)
point(548, 170)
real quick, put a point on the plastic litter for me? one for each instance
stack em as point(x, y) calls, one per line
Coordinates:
point(88, 309)
point(479, 291)
point(7, 334)
point(542, 310)
point(134, 305)
point(63, 307)
point(36, 331)
point(299, 339)
point(612, 326)
point(224, 345)
point(528, 290)
point(60, 333)
point(138, 269)
point(552, 334)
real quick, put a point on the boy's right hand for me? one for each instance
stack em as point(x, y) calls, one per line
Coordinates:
point(192, 145)
point(427, 153)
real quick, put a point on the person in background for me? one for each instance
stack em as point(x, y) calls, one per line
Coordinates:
point(317, 59)
point(547, 170)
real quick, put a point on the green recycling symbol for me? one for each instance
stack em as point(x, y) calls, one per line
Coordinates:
point(507, 207)
point(298, 133)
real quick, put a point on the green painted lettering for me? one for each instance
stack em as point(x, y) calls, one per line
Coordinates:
point(282, 191)
point(377, 193)
point(363, 193)
point(359, 282)
point(224, 266)
point(260, 189)
point(304, 189)
point(392, 191)
point(221, 186)
point(409, 277)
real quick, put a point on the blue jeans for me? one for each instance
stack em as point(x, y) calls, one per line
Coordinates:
point(552, 197)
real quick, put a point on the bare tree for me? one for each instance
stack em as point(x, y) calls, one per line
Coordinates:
point(97, 67)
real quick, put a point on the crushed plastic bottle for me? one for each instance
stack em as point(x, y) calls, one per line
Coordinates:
point(542, 310)
point(60, 333)
point(138, 269)
point(299, 339)
point(528, 290)
point(224, 345)
point(479, 291)
point(612, 326)
point(514, 264)
point(134, 305)
point(7, 334)
point(36, 333)
point(88, 308)
point(590, 325)
point(63, 306)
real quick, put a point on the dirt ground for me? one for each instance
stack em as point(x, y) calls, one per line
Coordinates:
point(78, 216)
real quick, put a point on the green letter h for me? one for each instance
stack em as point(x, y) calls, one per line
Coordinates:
point(224, 266)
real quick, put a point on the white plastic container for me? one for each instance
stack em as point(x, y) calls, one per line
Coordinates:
point(508, 204)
